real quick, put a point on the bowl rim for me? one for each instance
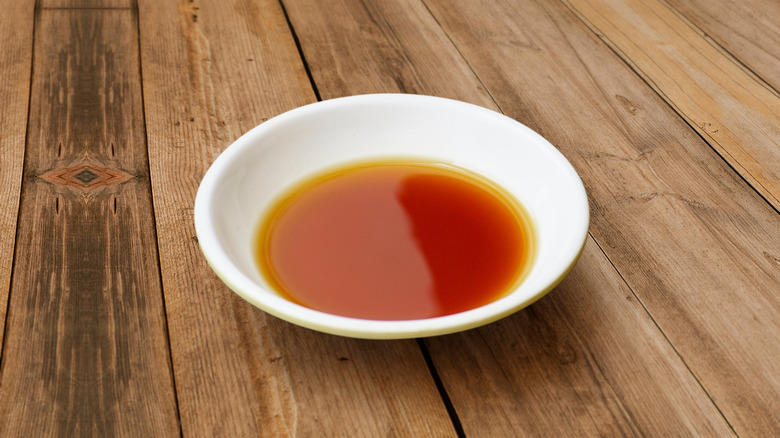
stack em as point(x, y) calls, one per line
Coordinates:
point(272, 303)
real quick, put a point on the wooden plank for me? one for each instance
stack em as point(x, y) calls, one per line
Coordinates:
point(213, 70)
point(86, 351)
point(16, 33)
point(87, 4)
point(712, 287)
point(748, 29)
point(587, 359)
point(726, 103)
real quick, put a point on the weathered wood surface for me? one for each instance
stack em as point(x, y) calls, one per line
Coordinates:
point(538, 372)
point(726, 103)
point(16, 35)
point(87, 4)
point(355, 47)
point(587, 360)
point(86, 352)
point(667, 326)
point(694, 243)
point(748, 29)
point(212, 70)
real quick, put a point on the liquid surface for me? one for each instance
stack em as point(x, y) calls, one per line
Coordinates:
point(395, 241)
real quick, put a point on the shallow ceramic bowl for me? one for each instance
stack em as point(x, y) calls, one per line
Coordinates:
point(253, 171)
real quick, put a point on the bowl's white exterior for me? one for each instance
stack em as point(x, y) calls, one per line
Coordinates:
point(251, 172)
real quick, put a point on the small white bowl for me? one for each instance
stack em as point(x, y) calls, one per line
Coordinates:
point(248, 176)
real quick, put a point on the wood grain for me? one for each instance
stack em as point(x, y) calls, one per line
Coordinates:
point(87, 4)
point(16, 33)
point(212, 70)
point(586, 360)
point(748, 29)
point(712, 287)
point(86, 352)
point(726, 103)
point(357, 47)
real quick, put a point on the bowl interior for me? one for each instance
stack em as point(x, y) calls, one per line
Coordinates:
point(252, 173)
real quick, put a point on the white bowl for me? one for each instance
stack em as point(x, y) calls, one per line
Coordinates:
point(245, 180)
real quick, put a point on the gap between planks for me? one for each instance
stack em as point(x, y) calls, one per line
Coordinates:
point(300, 52)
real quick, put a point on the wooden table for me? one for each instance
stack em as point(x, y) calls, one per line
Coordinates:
point(112, 110)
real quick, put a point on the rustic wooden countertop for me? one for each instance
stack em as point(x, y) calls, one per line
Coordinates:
point(113, 324)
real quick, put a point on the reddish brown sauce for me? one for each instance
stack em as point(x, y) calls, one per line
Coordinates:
point(395, 241)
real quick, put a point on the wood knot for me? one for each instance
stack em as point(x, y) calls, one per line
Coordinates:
point(774, 261)
point(85, 176)
point(627, 105)
point(567, 355)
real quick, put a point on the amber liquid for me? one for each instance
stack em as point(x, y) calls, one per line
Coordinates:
point(395, 241)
